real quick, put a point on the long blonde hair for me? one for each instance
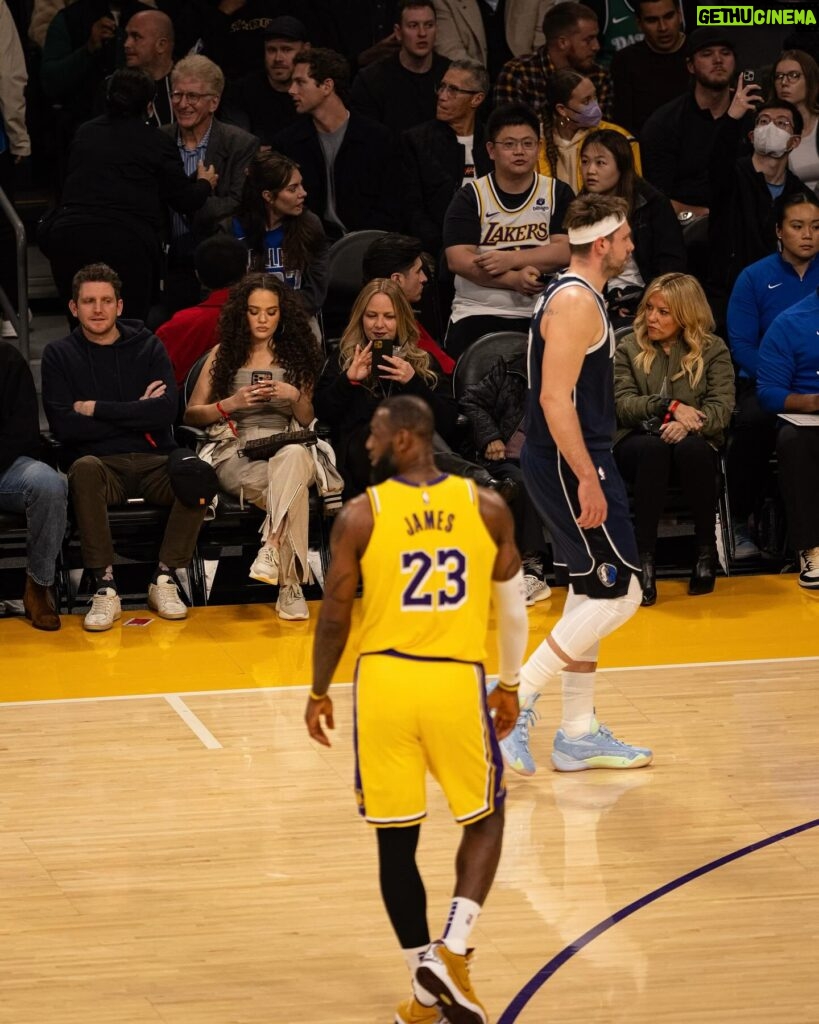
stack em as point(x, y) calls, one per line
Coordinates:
point(688, 305)
point(406, 329)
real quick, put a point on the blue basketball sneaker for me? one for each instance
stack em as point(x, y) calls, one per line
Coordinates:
point(597, 749)
point(515, 748)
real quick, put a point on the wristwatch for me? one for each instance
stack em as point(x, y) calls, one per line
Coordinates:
point(685, 216)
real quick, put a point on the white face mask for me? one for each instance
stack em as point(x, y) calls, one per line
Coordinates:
point(769, 140)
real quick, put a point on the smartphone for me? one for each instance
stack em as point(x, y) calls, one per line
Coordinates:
point(382, 347)
point(748, 76)
point(261, 376)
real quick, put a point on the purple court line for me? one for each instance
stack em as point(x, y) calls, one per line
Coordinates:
point(530, 989)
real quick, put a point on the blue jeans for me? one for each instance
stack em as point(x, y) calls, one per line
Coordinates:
point(33, 489)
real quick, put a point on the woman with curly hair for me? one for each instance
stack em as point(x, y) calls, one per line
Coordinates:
point(674, 395)
point(378, 356)
point(256, 382)
point(282, 236)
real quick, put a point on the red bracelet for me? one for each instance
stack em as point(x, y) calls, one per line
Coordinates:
point(670, 412)
point(227, 419)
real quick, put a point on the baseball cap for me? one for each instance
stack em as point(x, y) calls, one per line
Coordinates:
point(193, 481)
point(286, 27)
point(705, 36)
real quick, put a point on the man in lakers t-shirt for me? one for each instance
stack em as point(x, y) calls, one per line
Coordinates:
point(432, 549)
point(502, 232)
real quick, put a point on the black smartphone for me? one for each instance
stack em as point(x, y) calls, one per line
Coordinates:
point(382, 347)
point(748, 76)
point(261, 376)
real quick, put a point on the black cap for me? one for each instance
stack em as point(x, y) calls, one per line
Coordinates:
point(286, 27)
point(193, 481)
point(708, 35)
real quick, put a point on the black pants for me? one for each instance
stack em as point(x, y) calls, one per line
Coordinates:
point(529, 531)
point(752, 443)
point(461, 334)
point(797, 452)
point(8, 248)
point(649, 464)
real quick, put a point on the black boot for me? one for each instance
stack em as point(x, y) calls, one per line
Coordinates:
point(704, 573)
point(649, 579)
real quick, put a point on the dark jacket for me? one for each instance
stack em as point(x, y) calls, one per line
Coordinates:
point(75, 370)
point(433, 164)
point(366, 173)
point(495, 404)
point(19, 415)
point(230, 150)
point(658, 238)
point(389, 93)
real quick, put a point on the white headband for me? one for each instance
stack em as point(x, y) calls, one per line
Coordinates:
point(600, 229)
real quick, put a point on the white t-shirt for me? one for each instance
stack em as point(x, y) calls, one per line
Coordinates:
point(804, 160)
point(468, 141)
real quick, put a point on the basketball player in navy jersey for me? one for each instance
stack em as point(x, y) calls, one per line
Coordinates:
point(571, 475)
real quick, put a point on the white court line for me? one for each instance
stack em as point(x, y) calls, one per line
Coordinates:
point(304, 687)
point(197, 727)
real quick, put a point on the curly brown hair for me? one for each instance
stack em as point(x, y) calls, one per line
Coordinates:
point(293, 344)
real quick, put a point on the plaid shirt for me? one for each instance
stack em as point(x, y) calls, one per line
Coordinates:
point(523, 80)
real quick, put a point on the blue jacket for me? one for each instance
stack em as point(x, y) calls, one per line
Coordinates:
point(763, 290)
point(789, 355)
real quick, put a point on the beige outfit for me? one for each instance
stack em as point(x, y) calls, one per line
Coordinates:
point(13, 78)
point(279, 485)
point(461, 36)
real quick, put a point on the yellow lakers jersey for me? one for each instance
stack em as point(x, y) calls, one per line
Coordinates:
point(427, 571)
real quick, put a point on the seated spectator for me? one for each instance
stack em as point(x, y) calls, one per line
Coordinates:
point(399, 91)
point(441, 156)
point(256, 382)
point(673, 394)
point(201, 138)
point(110, 398)
point(570, 30)
point(502, 232)
point(786, 383)
point(796, 81)
point(570, 113)
point(282, 237)
point(762, 291)
point(618, 27)
point(363, 32)
point(495, 408)
point(741, 227)
point(607, 168)
point(489, 33)
point(653, 71)
point(120, 172)
point(220, 262)
point(381, 321)
point(29, 487)
point(350, 163)
point(260, 102)
point(149, 40)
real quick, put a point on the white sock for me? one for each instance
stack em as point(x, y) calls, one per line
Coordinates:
point(463, 915)
point(578, 703)
point(541, 668)
point(413, 957)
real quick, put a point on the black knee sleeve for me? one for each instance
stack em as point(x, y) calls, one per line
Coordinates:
point(401, 886)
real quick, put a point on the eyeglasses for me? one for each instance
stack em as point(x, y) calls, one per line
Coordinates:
point(510, 145)
point(190, 97)
point(790, 76)
point(455, 90)
point(780, 122)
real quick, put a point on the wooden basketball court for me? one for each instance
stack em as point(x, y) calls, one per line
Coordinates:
point(174, 849)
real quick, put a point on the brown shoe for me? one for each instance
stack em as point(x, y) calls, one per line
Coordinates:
point(38, 602)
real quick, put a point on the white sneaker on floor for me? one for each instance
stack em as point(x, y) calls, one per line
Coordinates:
point(809, 568)
point(536, 590)
point(164, 599)
point(291, 603)
point(266, 567)
point(105, 609)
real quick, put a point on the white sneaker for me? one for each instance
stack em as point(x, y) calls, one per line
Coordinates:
point(266, 567)
point(536, 590)
point(105, 609)
point(164, 599)
point(291, 603)
point(809, 565)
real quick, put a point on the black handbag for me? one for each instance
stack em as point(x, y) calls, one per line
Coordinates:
point(266, 447)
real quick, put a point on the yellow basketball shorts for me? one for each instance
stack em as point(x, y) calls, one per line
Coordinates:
point(414, 715)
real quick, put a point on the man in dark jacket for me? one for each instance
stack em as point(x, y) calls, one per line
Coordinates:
point(442, 155)
point(349, 163)
point(110, 398)
point(30, 487)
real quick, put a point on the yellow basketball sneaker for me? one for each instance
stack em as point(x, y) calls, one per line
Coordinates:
point(413, 1012)
point(445, 976)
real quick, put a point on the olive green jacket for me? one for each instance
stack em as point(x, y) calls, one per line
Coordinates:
point(637, 397)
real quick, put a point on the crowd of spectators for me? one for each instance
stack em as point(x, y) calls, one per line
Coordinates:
point(189, 143)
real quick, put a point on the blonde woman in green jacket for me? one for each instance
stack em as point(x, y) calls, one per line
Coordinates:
point(674, 395)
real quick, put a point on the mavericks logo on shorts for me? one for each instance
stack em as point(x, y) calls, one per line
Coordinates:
point(607, 574)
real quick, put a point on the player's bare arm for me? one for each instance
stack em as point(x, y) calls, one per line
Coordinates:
point(569, 326)
point(348, 541)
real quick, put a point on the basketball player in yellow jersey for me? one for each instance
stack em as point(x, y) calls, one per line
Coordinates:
point(432, 550)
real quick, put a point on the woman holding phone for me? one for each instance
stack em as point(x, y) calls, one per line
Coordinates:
point(259, 380)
